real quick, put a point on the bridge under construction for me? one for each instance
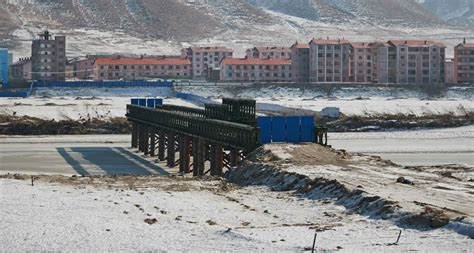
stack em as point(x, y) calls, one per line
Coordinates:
point(221, 134)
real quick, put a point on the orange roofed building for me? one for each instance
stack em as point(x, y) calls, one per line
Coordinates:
point(255, 70)
point(141, 68)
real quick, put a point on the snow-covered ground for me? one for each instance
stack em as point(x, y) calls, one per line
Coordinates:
point(82, 103)
point(76, 103)
point(421, 147)
point(77, 215)
point(353, 101)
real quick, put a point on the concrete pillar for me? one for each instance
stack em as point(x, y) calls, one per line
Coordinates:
point(161, 145)
point(171, 150)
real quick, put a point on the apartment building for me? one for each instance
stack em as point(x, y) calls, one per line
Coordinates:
point(141, 68)
point(361, 62)
point(329, 60)
point(464, 62)
point(255, 70)
point(21, 70)
point(268, 53)
point(300, 62)
point(204, 59)
point(418, 62)
point(85, 68)
point(48, 57)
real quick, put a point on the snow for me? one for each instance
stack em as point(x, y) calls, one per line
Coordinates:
point(58, 217)
point(82, 103)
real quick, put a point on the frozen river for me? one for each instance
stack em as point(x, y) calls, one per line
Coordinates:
point(423, 147)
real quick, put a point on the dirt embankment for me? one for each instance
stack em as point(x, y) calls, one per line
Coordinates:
point(362, 184)
point(401, 121)
point(24, 125)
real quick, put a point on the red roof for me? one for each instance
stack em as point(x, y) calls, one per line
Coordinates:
point(361, 45)
point(271, 49)
point(416, 43)
point(329, 42)
point(212, 49)
point(298, 45)
point(255, 61)
point(466, 45)
point(143, 61)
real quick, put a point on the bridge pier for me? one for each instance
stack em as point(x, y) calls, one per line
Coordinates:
point(161, 145)
point(234, 157)
point(134, 135)
point(184, 154)
point(171, 150)
point(199, 157)
point(146, 139)
point(152, 142)
point(217, 160)
point(141, 138)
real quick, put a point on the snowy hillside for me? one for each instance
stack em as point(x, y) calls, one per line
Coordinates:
point(454, 11)
point(164, 26)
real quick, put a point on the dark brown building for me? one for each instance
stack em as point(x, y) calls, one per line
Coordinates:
point(48, 58)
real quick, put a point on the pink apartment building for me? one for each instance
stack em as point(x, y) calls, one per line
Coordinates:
point(204, 59)
point(140, 68)
point(464, 62)
point(269, 53)
point(361, 63)
point(418, 62)
point(255, 70)
point(300, 62)
point(84, 69)
point(329, 60)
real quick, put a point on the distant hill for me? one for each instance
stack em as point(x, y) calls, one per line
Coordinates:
point(164, 25)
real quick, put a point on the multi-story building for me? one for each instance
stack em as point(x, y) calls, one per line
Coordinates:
point(418, 62)
point(464, 62)
point(141, 68)
point(382, 70)
point(269, 53)
point(205, 59)
point(329, 60)
point(449, 67)
point(361, 63)
point(255, 70)
point(300, 62)
point(84, 68)
point(48, 57)
point(21, 70)
point(4, 67)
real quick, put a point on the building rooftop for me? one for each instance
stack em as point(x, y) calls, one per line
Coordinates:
point(361, 45)
point(255, 61)
point(212, 49)
point(416, 43)
point(270, 49)
point(466, 45)
point(299, 45)
point(142, 61)
point(329, 41)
